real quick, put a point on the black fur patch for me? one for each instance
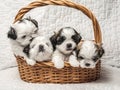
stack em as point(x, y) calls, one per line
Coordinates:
point(95, 58)
point(60, 39)
point(79, 57)
point(99, 54)
point(101, 51)
point(77, 38)
point(12, 34)
point(77, 52)
point(54, 39)
point(26, 50)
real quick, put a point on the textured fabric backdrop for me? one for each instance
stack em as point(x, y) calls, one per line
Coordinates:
point(52, 18)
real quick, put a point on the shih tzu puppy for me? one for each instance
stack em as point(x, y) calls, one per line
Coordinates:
point(87, 55)
point(64, 43)
point(40, 49)
point(21, 34)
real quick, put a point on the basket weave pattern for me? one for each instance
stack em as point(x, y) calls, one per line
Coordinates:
point(45, 72)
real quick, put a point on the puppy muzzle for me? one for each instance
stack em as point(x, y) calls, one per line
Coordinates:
point(69, 47)
point(41, 48)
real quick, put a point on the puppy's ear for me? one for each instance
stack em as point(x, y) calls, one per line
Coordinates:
point(26, 50)
point(33, 21)
point(77, 52)
point(12, 34)
point(77, 37)
point(53, 40)
point(100, 51)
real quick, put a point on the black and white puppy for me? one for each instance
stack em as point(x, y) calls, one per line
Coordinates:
point(40, 49)
point(64, 43)
point(21, 34)
point(88, 54)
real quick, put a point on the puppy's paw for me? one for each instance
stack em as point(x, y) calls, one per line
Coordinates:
point(87, 64)
point(58, 63)
point(73, 61)
point(31, 62)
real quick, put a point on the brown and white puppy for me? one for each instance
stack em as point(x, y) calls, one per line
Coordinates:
point(88, 54)
point(64, 43)
point(21, 34)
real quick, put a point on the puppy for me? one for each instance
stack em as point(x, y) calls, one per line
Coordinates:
point(88, 54)
point(40, 49)
point(64, 42)
point(21, 34)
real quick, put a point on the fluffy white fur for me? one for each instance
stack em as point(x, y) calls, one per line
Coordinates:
point(87, 50)
point(35, 54)
point(62, 53)
point(68, 34)
point(58, 59)
point(85, 61)
point(73, 60)
point(25, 28)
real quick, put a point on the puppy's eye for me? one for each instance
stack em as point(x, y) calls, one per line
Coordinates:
point(23, 36)
point(95, 58)
point(60, 39)
point(76, 38)
point(80, 57)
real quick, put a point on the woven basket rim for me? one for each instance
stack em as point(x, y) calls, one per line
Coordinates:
point(49, 63)
point(40, 73)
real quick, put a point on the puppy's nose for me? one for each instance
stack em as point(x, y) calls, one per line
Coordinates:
point(41, 48)
point(69, 45)
point(87, 64)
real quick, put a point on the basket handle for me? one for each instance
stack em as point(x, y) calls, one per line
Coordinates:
point(86, 11)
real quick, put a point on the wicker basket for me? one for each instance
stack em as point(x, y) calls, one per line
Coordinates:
point(45, 72)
